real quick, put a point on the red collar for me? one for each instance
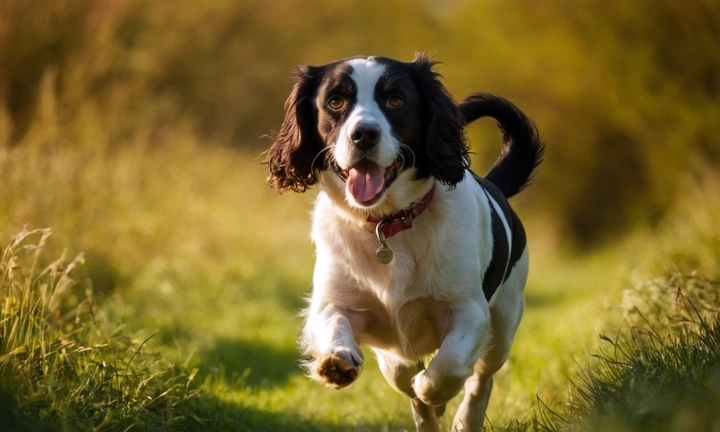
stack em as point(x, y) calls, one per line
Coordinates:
point(402, 220)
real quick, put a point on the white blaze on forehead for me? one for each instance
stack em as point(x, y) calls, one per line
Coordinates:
point(366, 73)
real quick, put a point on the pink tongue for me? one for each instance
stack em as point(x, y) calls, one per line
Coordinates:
point(365, 181)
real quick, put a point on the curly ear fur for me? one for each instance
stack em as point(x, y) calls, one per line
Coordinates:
point(290, 158)
point(446, 151)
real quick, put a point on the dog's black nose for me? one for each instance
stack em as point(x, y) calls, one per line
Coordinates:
point(365, 135)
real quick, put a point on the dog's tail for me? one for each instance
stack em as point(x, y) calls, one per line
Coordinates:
point(522, 146)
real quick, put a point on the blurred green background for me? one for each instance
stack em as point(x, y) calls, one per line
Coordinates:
point(626, 94)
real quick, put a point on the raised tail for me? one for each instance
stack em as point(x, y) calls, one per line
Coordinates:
point(522, 147)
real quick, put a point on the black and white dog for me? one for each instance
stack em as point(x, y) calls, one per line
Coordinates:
point(417, 257)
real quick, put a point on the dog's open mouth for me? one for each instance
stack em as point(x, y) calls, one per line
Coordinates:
point(367, 181)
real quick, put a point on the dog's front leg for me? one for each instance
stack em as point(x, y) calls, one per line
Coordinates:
point(329, 339)
point(469, 331)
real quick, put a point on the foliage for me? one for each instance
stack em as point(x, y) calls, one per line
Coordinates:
point(626, 94)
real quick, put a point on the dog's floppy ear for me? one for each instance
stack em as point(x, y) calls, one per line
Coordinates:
point(290, 158)
point(445, 147)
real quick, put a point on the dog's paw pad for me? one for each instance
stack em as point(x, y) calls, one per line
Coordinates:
point(338, 369)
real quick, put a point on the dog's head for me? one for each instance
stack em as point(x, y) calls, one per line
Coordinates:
point(373, 121)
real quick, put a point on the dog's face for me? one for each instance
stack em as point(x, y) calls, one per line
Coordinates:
point(369, 116)
point(373, 121)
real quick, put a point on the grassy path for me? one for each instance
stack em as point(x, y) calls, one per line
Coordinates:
point(195, 289)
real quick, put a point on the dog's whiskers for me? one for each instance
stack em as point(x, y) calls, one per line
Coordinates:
point(402, 155)
point(328, 158)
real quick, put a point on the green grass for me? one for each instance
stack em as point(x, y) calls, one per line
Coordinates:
point(657, 363)
point(63, 370)
point(182, 311)
point(167, 297)
point(659, 372)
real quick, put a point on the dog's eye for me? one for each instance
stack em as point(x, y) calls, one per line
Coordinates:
point(336, 102)
point(395, 101)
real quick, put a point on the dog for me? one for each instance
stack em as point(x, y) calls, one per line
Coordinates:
point(418, 257)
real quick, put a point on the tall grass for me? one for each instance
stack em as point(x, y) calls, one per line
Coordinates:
point(660, 368)
point(60, 368)
point(176, 243)
point(660, 372)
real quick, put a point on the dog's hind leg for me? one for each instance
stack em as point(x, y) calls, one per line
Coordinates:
point(426, 416)
point(399, 375)
point(471, 413)
point(505, 312)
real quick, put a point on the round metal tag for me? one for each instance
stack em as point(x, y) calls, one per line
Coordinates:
point(384, 254)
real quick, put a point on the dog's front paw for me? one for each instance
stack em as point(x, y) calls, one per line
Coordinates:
point(439, 391)
point(340, 367)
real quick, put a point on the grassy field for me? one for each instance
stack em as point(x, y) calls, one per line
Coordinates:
point(167, 297)
point(150, 280)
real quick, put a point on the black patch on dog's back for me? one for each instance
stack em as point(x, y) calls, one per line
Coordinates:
point(505, 254)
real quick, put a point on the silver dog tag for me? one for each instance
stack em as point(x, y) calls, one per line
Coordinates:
point(384, 254)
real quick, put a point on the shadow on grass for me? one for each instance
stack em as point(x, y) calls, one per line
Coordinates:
point(255, 363)
point(14, 419)
point(213, 414)
point(242, 366)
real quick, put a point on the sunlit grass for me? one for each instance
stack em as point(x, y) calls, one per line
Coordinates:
point(659, 371)
point(180, 311)
point(188, 243)
point(60, 369)
point(188, 252)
